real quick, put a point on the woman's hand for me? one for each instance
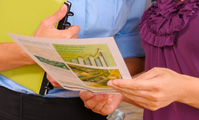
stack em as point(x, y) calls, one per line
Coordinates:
point(154, 89)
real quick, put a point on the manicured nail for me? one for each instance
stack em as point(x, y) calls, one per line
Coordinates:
point(63, 7)
point(115, 82)
point(110, 83)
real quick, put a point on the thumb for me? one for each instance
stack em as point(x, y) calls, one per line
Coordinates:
point(56, 17)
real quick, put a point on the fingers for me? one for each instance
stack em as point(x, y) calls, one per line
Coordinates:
point(85, 95)
point(56, 17)
point(97, 99)
point(92, 101)
point(140, 93)
point(146, 81)
point(52, 81)
point(137, 99)
point(103, 104)
point(107, 103)
point(98, 104)
point(112, 104)
point(145, 102)
point(98, 107)
point(55, 84)
point(134, 84)
point(72, 32)
point(47, 27)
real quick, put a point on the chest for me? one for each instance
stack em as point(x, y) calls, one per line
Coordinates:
point(100, 18)
point(188, 38)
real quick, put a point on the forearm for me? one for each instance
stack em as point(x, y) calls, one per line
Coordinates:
point(135, 65)
point(12, 56)
point(190, 91)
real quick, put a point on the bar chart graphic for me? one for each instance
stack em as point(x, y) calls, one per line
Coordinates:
point(99, 59)
point(91, 55)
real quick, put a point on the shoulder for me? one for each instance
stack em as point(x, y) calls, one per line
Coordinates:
point(164, 19)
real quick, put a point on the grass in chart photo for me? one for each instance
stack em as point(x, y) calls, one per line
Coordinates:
point(95, 77)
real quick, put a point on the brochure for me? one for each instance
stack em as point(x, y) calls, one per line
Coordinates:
point(77, 64)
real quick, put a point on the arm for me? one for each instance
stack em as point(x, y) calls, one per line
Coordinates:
point(12, 56)
point(158, 88)
point(189, 91)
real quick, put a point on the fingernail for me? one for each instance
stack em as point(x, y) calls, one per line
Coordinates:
point(63, 7)
point(115, 82)
point(110, 83)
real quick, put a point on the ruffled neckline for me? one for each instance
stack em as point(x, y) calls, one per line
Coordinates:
point(164, 19)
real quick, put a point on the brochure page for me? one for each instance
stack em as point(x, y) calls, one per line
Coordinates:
point(77, 64)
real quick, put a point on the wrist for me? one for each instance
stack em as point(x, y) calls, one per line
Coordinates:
point(25, 58)
point(189, 91)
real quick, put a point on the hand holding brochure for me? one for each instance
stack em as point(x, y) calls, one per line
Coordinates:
point(77, 64)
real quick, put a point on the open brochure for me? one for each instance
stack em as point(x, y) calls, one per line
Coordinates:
point(77, 64)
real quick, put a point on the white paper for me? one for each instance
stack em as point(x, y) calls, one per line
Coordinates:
point(77, 64)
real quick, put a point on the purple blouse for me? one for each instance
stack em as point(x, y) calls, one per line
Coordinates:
point(170, 38)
